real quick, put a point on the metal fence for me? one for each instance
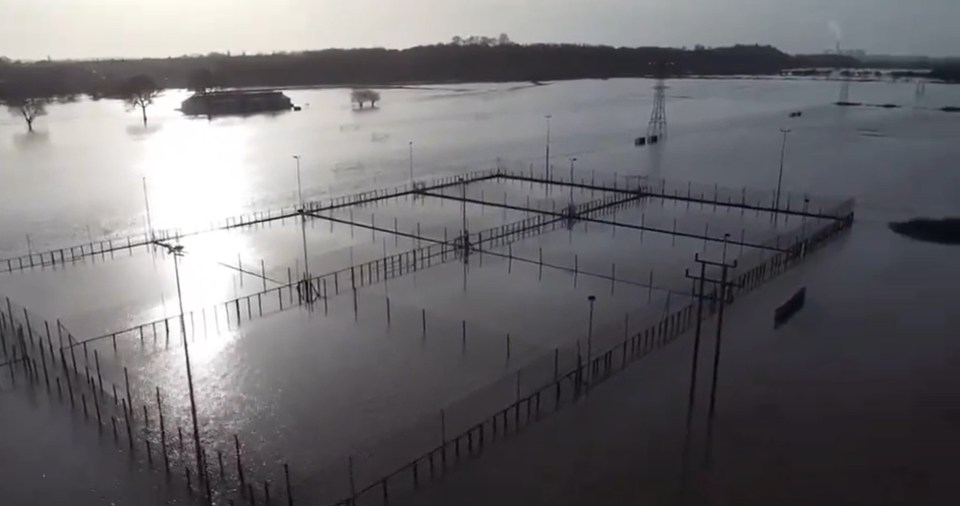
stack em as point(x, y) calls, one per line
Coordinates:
point(408, 459)
point(232, 313)
point(711, 194)
point(392, 466)
point(70, 373)
point(110, 245)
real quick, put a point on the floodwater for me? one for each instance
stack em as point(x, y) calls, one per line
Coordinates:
point(84, 166)
point(345, 380)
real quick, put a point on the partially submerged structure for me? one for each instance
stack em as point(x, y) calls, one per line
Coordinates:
point(217, 103)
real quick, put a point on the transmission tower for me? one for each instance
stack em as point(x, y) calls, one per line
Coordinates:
point(658, 118)
point(845, 90)
point(921, 90)
point(657, 128)
point(844, 81)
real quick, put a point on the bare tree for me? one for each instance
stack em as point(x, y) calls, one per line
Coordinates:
point(30, 108)
point(139, 91)
point(361, 97)
point(374, 97)
point(20, 103)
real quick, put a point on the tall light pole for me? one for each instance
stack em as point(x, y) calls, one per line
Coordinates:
point(146, 203)
point(783, 152)
point(546, 159)
point(303, 227)
point(299, 183)
point(464, 237)
point(411, 164)
point(463, 206)
point(177, 252)
point(573, 161)
point(592, 299)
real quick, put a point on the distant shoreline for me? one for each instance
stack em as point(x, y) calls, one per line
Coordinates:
point(438, 65)
point(422, 65)
point(440, 85)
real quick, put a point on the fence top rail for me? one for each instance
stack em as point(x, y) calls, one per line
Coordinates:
point(649, 327)
point(256, 215)
point(663, 188)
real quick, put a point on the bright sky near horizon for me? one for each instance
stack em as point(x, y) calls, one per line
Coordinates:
point(36, 29)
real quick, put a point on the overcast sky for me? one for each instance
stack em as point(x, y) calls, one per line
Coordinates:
point(33, 29)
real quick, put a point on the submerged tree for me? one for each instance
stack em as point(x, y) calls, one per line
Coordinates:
point(201, 81)
point(139, 91)
point(21, 103)
point(361, 97)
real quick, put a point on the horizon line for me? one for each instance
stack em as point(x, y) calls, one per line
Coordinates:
point(231, 54)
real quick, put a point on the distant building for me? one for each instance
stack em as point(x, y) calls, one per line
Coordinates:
point(218, 103)
point(856, 53)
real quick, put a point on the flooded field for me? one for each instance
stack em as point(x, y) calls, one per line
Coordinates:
point(379, 360)
point(409, 337)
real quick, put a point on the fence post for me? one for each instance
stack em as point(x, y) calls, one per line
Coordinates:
point(126, 419)
point(388, 311)
point(263, 274)
point(66, 374)
point(423, 319)
point(613, 277)
point(576, 268)
point(96, 404)
point(236, 443)
point(286, 478)
point(650, 288)
point(353, 486)
point(443, 438)
point(96, 359)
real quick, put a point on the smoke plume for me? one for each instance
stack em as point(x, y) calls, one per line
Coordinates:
point(835, 28)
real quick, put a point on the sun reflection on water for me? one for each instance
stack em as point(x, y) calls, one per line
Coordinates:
point(196, 173)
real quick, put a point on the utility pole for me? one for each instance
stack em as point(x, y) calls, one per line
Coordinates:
point(463, 208)
point(573, 161)
point(693, 377)
point(146, 203)
point(723, 288)
point(464, 236)
point(701, 296)
point(592, 300)
point(411, 164)
point(303, 233)
point(783, 153)
point(299, 182)
point(177, 252)
point(546, 158)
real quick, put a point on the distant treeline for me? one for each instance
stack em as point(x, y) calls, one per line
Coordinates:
point(907, 62)
point(943, 68)
point(948, 73)
point(442, 63)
